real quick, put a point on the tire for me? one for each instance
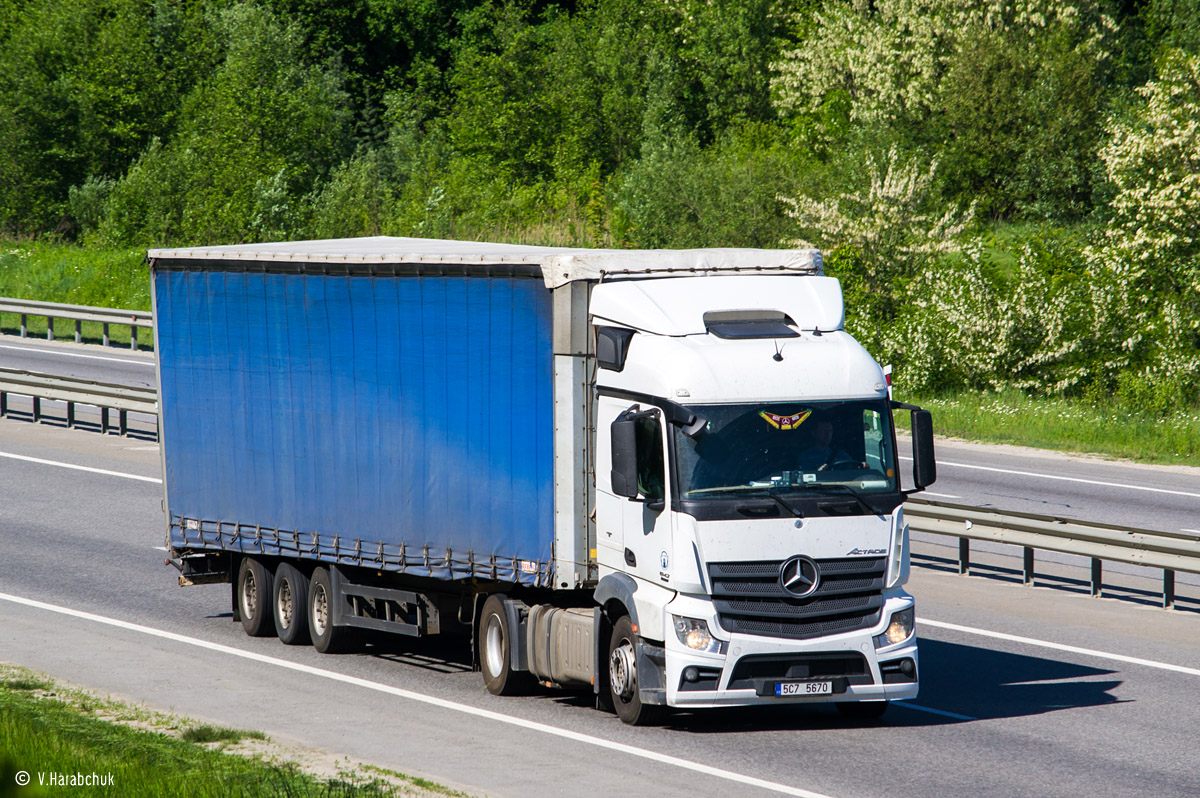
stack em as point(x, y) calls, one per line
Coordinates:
point(290, 605)
point(495, 649)
point(254, 591)
point(863, 710)
point(326, 638)
point(623, 685)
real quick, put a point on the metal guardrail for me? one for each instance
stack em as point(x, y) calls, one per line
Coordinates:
point(1166, 550)
point(79, 314)
point(1170, 551)
point(122, 398)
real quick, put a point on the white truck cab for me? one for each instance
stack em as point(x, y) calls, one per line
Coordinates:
point(748, 497)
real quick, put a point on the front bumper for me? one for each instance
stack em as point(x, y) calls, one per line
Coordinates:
point(745, 674)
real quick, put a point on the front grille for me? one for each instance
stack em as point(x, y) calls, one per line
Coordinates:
point(754, 671)
point(749, 598)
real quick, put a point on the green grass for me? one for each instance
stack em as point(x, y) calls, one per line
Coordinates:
point(46, 729)
point(205, 733)
point(1066, 425)
point(77, 276)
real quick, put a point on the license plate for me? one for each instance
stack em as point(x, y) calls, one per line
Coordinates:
point(803, 688)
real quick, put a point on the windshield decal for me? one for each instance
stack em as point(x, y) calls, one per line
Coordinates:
point(785, 422)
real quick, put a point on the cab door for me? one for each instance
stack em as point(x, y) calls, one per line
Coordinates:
point(635, 535)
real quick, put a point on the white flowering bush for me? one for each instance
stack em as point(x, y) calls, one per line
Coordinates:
point(890, 56)
point(1151, 247)
point(1040, 329)
point(878, 236)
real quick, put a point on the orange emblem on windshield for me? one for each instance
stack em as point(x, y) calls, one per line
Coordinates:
point(785, 422)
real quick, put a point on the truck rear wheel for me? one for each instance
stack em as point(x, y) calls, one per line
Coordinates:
point(326, 638)
point(254, 591)
point(623, 682)
point(291, 605)
point(495, 651)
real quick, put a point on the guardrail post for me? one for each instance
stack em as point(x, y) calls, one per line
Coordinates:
point(70, 415)
point(49, 328)
point(106, 334)
point(133, 337)
point(1168, 589)
point(123, 421)
point(1027, 565)
point(3, 404)
point(1097, 577)
point(964, 556)
point(37, 408)
point(104, 421)
point(24, 327)
point(78, 331)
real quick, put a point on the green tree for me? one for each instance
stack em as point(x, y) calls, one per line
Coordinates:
point(254, 140)
point(83, 89)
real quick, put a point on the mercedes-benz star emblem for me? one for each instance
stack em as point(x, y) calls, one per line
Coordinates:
point(800, 576)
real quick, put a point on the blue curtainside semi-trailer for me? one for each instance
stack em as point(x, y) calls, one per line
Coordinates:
point(669, 478)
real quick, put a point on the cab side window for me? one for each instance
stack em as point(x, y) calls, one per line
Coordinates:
point(650, 458)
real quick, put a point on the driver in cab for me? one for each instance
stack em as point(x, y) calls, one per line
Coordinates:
point(821, 454)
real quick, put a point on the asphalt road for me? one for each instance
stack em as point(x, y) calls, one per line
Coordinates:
point(1004, 708)
point(83, 361)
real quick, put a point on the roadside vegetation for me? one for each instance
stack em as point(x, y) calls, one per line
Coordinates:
point(1007, 189)
point(46, 728)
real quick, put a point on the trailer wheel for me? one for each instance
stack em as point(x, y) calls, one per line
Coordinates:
point(326, 638)
point(623, 683)
point(495, 645)
point(863, 710)
point(254, 591)
point(291, 605)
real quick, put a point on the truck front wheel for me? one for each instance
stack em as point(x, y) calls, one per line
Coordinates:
point(291, 605)
point(623, 682)
point(254, 591)
point(495, 647)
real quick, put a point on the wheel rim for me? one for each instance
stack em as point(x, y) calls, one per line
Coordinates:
point(284, 604)
point(622, 670)
point(249, 595)
point(494, 646)
point(320, 607)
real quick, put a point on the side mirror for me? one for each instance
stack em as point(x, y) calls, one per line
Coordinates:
point(624, 475)
point(924, 465)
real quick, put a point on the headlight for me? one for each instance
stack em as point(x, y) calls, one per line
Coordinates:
point(694, 634)
point(899, 630)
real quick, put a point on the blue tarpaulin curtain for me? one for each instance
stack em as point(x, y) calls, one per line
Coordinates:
point(395, 410)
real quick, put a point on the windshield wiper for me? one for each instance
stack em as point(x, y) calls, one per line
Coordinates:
point(785, 505)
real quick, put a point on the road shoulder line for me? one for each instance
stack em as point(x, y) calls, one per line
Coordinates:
point(556, 731)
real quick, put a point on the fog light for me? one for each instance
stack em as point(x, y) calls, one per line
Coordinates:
point(899, 630)
point(694, 634)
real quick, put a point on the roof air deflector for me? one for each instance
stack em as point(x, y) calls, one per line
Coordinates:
point(750, 324)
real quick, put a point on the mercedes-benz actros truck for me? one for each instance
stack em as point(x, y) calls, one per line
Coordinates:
point(668, 477)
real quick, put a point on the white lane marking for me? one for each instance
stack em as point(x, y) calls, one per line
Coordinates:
point(39, 350)
point(941, 495)
point(1088, 652)
point(588, 739)
point(159, 548)
point(1062, 478)
point(932, 711)
point(1193, 531)
point(80, 468)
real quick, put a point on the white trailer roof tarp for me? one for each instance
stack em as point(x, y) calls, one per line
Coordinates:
point(559, 265)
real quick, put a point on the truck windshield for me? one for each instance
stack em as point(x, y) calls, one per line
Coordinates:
point(794, 446)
